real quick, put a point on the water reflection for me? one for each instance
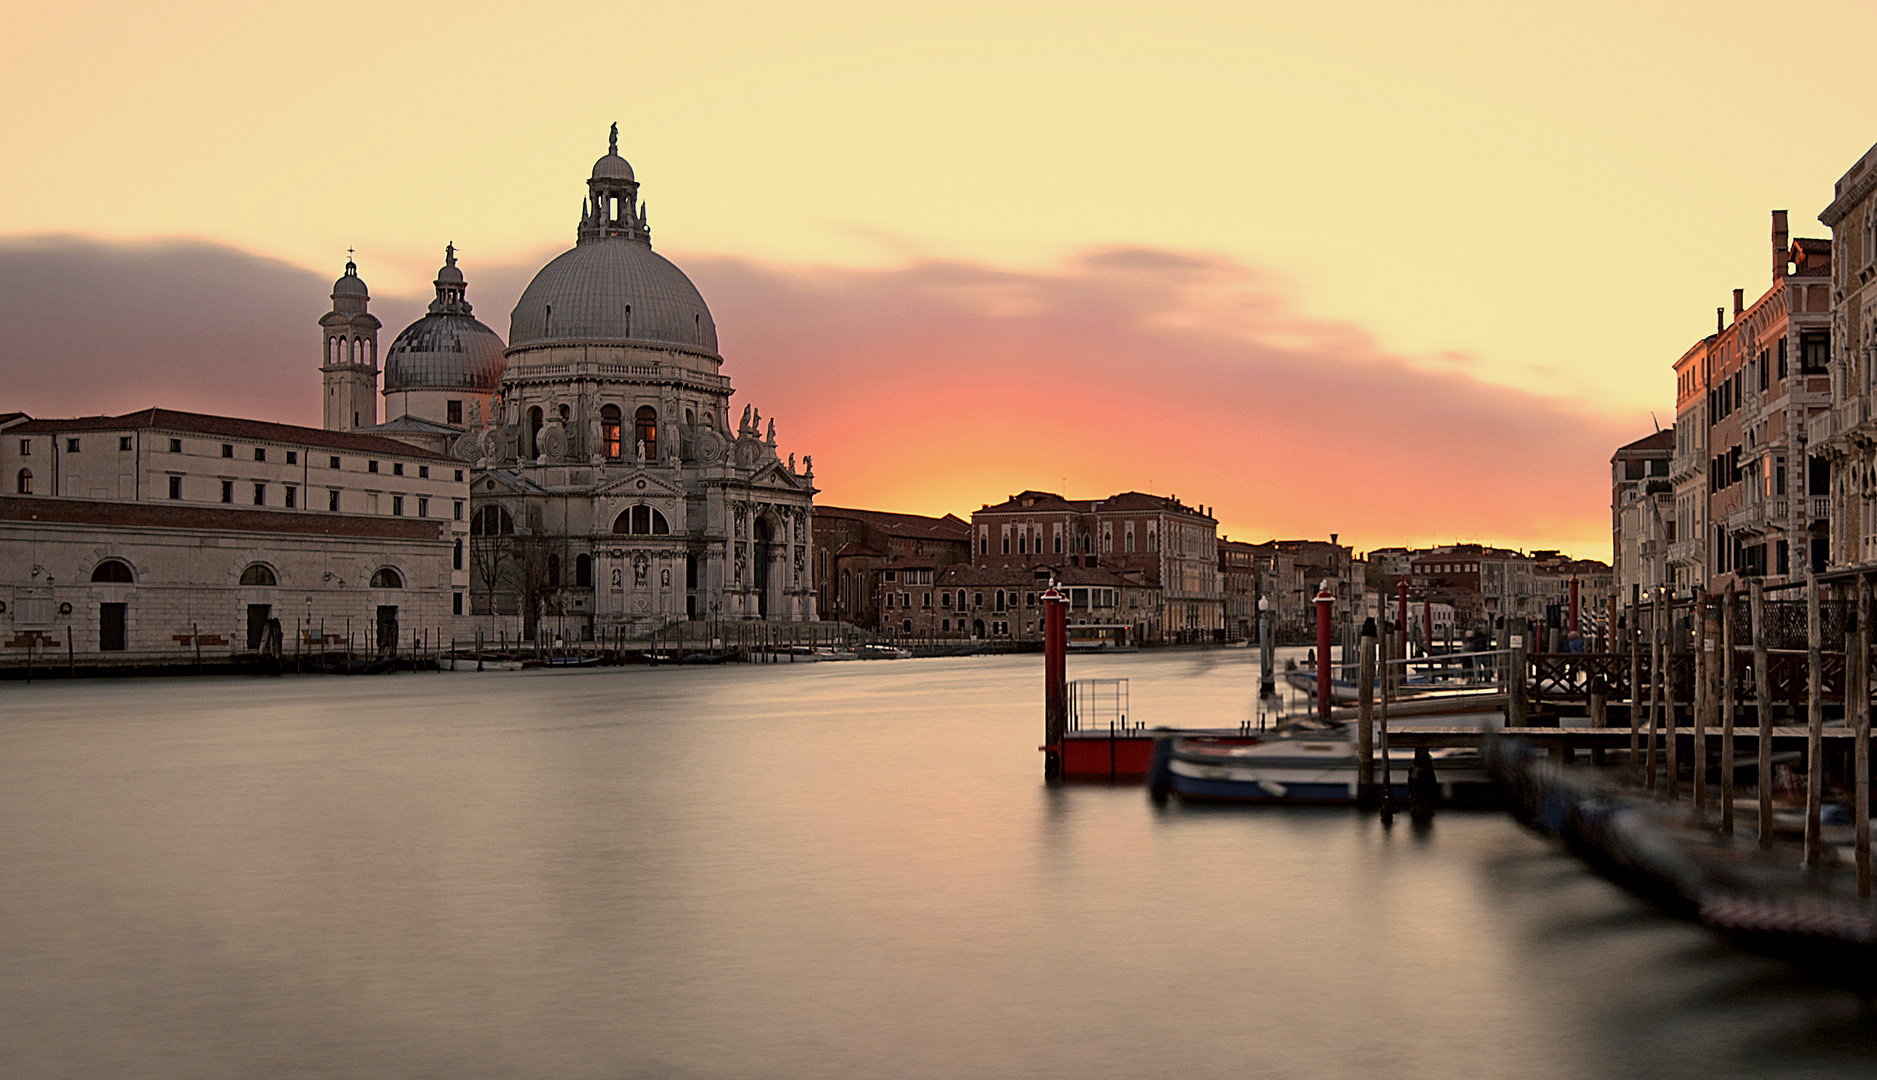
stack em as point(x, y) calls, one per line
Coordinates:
point(825, 870)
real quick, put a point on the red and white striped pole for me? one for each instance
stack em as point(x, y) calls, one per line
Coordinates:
point(1055, 679)
point(1325, 673)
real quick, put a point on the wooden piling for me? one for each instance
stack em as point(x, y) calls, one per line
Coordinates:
point(1814, 721)
point(1709, 665)
point(1365, 719)
point(71, 658)
point(1728, 606)
point(1388, 779)
point(1633, 645)
point(1516, 671)
point(1763, 710)
point(1599, 703)
point(1857, 698)
point(1657, 672)
point(1671, 717)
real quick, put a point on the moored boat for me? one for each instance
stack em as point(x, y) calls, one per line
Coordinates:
point(1301, 762)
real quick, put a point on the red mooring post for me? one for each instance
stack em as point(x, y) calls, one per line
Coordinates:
point(1325, 673)
point(1573, 623)
point(1055, 679)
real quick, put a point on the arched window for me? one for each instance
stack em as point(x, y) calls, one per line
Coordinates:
point(690, 418)
point(387, 578)
point(258, 574)
point(609, 430)
point(583, 570)
point(534, 432)
point(553, 571)
point(116, 570)
point(1000, 600)
point(641, 521)
point(491, 521)
point(645, 430)
point(24, 484)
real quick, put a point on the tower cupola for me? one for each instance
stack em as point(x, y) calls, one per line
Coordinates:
point(612, 205)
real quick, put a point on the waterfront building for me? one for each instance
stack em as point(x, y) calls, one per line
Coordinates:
point(1002, 603)
point(613, 490)
point(147, 535)
point(1154, 539)
point(1847, 435)
point(1770, 368)
point(1688, 470)
point(1291, 572)
point(1641, 505)
point(868, 559)
point(1238, 573)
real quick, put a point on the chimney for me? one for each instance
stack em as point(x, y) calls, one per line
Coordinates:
point(1720, 319)
point(1740, 302)
point(1780, 256)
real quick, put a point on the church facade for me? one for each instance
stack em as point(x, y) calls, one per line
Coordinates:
point(611, 491)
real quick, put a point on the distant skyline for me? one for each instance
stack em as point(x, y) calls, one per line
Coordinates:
point(1409, 275)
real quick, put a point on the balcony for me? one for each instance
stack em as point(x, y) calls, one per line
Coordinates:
point(1819, 428)
point(1821, 507)
point(1687, 552)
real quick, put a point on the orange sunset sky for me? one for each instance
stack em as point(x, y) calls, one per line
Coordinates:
point(1406, 273)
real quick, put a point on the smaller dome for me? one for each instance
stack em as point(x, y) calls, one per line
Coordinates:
point(444, 351)
point(612, 167)
point(450, 274)
point(350, 284)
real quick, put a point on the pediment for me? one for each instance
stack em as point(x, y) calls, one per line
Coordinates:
point(500, 482)
point(639, 483)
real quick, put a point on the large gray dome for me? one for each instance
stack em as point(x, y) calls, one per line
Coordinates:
point(612, 291)
point(444, 351)
point(447, 349)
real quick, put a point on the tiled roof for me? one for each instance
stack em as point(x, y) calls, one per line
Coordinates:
point(1661, 440)
point(914, 525)
point(232, 427)
point(132, 515)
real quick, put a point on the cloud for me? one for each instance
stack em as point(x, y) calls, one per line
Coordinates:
point(934, 386)
point(944, 385)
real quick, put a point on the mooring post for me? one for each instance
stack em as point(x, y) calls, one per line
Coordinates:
point(1657, 671)
point(1729, 604)
point(1055, 679)
point(71, 658)
point(1599, 705)
point(1394, 675)
point(1515, 678)
point(1632, 645)
point(1671, 718)
point(1267, 676)
point(1858, 661)
point(1388, 777)
point(1365, 719)
point(1763, 710)
point(1326, 606)
point(1814, 720)
point(1710, 667)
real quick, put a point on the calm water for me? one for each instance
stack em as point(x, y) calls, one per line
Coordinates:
point(817, 870)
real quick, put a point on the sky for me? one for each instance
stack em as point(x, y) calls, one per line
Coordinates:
point(1404, 273)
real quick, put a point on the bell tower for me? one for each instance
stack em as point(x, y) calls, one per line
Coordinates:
point(349, 356)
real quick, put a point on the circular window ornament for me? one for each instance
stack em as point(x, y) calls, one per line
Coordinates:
point(641, 485)
point(65, 609)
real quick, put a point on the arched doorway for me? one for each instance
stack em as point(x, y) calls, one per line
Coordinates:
point(977, 628)
point(764, 552)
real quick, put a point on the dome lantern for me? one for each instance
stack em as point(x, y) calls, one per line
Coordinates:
point(612, 204)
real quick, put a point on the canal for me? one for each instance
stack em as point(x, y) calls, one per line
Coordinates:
point(792, 871)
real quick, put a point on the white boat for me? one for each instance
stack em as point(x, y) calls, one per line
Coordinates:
point(884, 652)
point(461, 663)
point(1300, 763)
